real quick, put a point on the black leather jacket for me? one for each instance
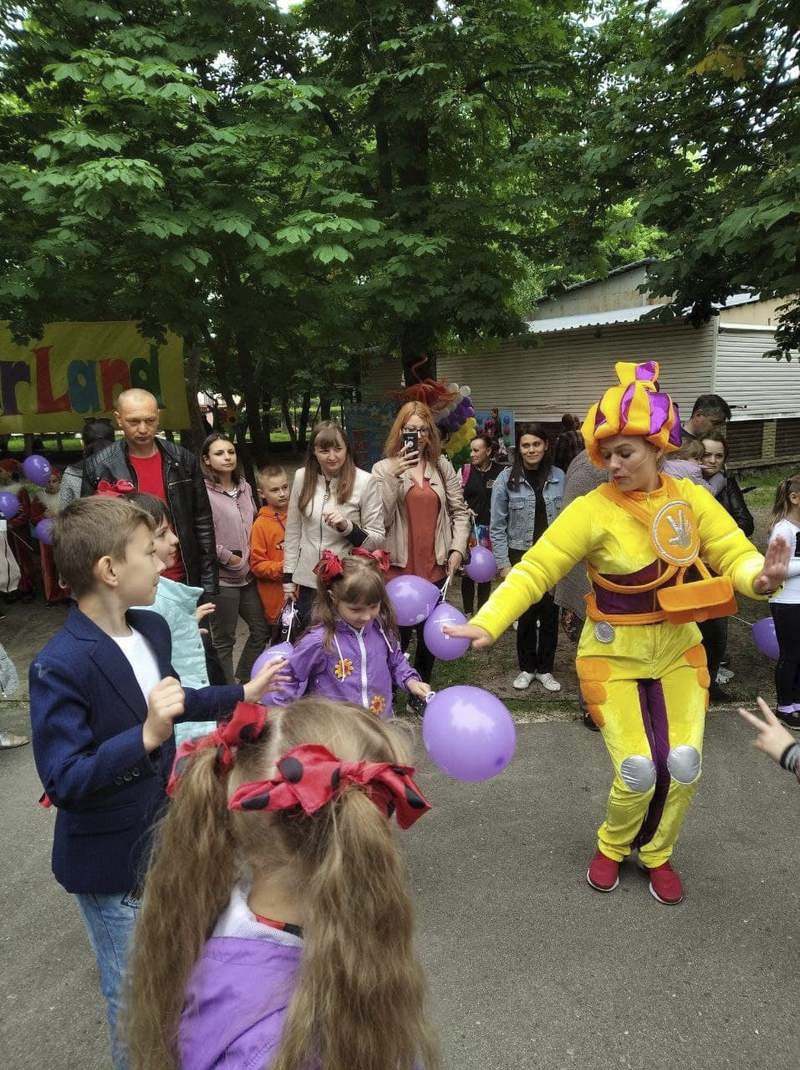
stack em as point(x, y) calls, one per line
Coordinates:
point(187, 498)
point(732, 499)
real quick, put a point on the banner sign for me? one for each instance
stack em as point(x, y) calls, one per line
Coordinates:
point(76, 370)
point(368, 425)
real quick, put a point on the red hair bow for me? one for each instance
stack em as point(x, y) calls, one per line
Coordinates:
point(245, 726)
point(328, 567)
point(310, 776)
point(380, 557)
point(116, 489)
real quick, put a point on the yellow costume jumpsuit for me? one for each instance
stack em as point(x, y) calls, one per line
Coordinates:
point(645, 683)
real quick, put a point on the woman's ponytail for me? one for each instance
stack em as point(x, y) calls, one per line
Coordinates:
point(189, 882)
point(782, 500)
point(360, 983)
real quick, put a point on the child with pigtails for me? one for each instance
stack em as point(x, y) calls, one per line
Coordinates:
point(352, 651)
point(278, 844)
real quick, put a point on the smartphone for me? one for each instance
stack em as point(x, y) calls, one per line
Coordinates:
point(411, 441)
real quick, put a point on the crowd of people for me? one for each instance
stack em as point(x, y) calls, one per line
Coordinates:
point(224, 922)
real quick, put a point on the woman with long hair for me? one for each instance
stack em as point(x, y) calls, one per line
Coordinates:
point(427, 521)
point(478, 477)
point(333, 506)
point(276, 929)
point(526, 499)
point(234, 511)
point(641, 665)
point(785, 603)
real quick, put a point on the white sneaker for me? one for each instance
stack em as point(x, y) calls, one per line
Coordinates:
point(547, 680)
point(724, 676)
point(523, 680)
point(515, 625)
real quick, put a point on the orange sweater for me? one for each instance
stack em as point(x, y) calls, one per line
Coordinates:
point(266, 559)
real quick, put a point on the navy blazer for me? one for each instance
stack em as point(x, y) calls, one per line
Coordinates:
point(87, 712)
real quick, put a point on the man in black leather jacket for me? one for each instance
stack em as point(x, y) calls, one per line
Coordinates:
point(178, 480)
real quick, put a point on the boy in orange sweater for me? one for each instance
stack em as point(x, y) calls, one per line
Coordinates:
point(266, 543)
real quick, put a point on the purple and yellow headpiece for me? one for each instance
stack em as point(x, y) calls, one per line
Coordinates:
point(636, 407)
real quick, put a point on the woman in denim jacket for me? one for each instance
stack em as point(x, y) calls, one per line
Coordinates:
point(526, 499)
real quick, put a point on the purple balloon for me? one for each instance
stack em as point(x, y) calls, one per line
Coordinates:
point(468, 733)
point(481, 566)
point(765, 638)
point(36, 469)
point(9, 504)
point(441, 645)
point(44, 531)
point(413, 598)
point(279, 650)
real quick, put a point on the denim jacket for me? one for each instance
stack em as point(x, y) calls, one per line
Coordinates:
point(514, 512)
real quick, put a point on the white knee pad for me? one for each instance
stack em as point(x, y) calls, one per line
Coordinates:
point(684, 763)
point(638, 772)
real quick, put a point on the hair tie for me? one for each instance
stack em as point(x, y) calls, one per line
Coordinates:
point(328, 567)
point(381, 558)
point(309, 777)
point(246, 725)
point(117, 489)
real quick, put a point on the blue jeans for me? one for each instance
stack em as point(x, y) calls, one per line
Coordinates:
point(109, 921)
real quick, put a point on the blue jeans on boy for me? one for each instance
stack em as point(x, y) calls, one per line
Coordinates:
point(109, 921)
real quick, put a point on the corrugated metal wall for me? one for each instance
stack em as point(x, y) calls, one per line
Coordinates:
point(568, 371)
point(379, 376)
point(763, 387)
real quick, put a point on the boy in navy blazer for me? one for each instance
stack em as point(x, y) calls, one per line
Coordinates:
point(104, 698)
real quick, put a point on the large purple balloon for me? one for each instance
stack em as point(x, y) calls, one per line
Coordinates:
point(279, 650)
point(413, 598)
point(468, 733)
point(765, 638)
point(481, 566)
point(441, 645)
point(44, 531)
point(9, 504)
point(37, 469)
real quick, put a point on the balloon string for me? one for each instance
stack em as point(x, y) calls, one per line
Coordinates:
point(292, 614)
point(445, 586)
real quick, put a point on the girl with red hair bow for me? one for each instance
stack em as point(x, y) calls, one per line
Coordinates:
point(352, 651)
point(276, 927)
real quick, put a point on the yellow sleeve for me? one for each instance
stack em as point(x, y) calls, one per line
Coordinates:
point(568, 540)
point(723, 545)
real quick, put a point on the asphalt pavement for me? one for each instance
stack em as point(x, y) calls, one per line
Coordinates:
point(528, 967)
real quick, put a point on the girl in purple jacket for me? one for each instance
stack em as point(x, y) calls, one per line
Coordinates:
point(278, 844)
point(352, 652)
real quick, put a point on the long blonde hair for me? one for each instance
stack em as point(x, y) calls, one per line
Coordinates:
point(359, 1003)
point(432, 449)
point(361, 581)
point(327, 433)
point(783, 503)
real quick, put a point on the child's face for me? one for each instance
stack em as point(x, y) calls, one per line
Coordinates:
point(137, 575)
point(357, 614)
point(54, 483)
point(275, 491)
point(166, 543)
point(713, 457)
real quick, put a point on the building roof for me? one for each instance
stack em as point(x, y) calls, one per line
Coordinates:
point(613, 316)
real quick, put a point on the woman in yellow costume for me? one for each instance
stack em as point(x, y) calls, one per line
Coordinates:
point(642, 668)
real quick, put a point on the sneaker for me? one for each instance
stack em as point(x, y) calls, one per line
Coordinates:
point(547, 680)
point(789, 718)
point(603, 873)
point(665, 884)
point(724, 676)
point(9, 740)
point(523, 680)
point(589, 723)
point(515, 625)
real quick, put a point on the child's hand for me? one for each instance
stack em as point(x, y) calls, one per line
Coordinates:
point(203, 611)
point(480, 638)
point(772, 737)
point(271, 678)
point(776, 565)
point(166, 702)
point(418, 688)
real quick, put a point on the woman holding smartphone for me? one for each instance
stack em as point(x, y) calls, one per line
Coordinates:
point(427, 522)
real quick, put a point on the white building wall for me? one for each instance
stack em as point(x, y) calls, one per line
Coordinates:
point(567, 371)
point(758, 387)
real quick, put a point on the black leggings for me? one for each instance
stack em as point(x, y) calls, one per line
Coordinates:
point(787, 672)
point(423, 659)
point(536, 646)
point(715, 640)
point(468, 594)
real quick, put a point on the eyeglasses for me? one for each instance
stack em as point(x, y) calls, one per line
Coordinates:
point(419, 430)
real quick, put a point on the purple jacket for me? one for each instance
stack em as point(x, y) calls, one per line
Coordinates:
point(361, 667)
point(238, 993)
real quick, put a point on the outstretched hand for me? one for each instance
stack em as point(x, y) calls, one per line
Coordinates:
point(480, 638)
point(271, 678)
point(772, 737)
point(776, 566)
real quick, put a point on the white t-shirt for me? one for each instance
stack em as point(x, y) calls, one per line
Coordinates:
point(790, 592)
point(142, 660)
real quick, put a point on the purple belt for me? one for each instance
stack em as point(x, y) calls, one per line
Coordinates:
point(616, 602)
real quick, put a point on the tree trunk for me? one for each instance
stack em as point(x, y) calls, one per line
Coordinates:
point(197, 424)
point(302, 424)
point(251, 394)
point(266, 421)
point(325, 407)
point(287, 419)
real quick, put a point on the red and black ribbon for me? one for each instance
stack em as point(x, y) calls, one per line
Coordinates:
point(245, 726)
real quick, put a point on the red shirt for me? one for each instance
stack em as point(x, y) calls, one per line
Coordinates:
point(150, 480)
